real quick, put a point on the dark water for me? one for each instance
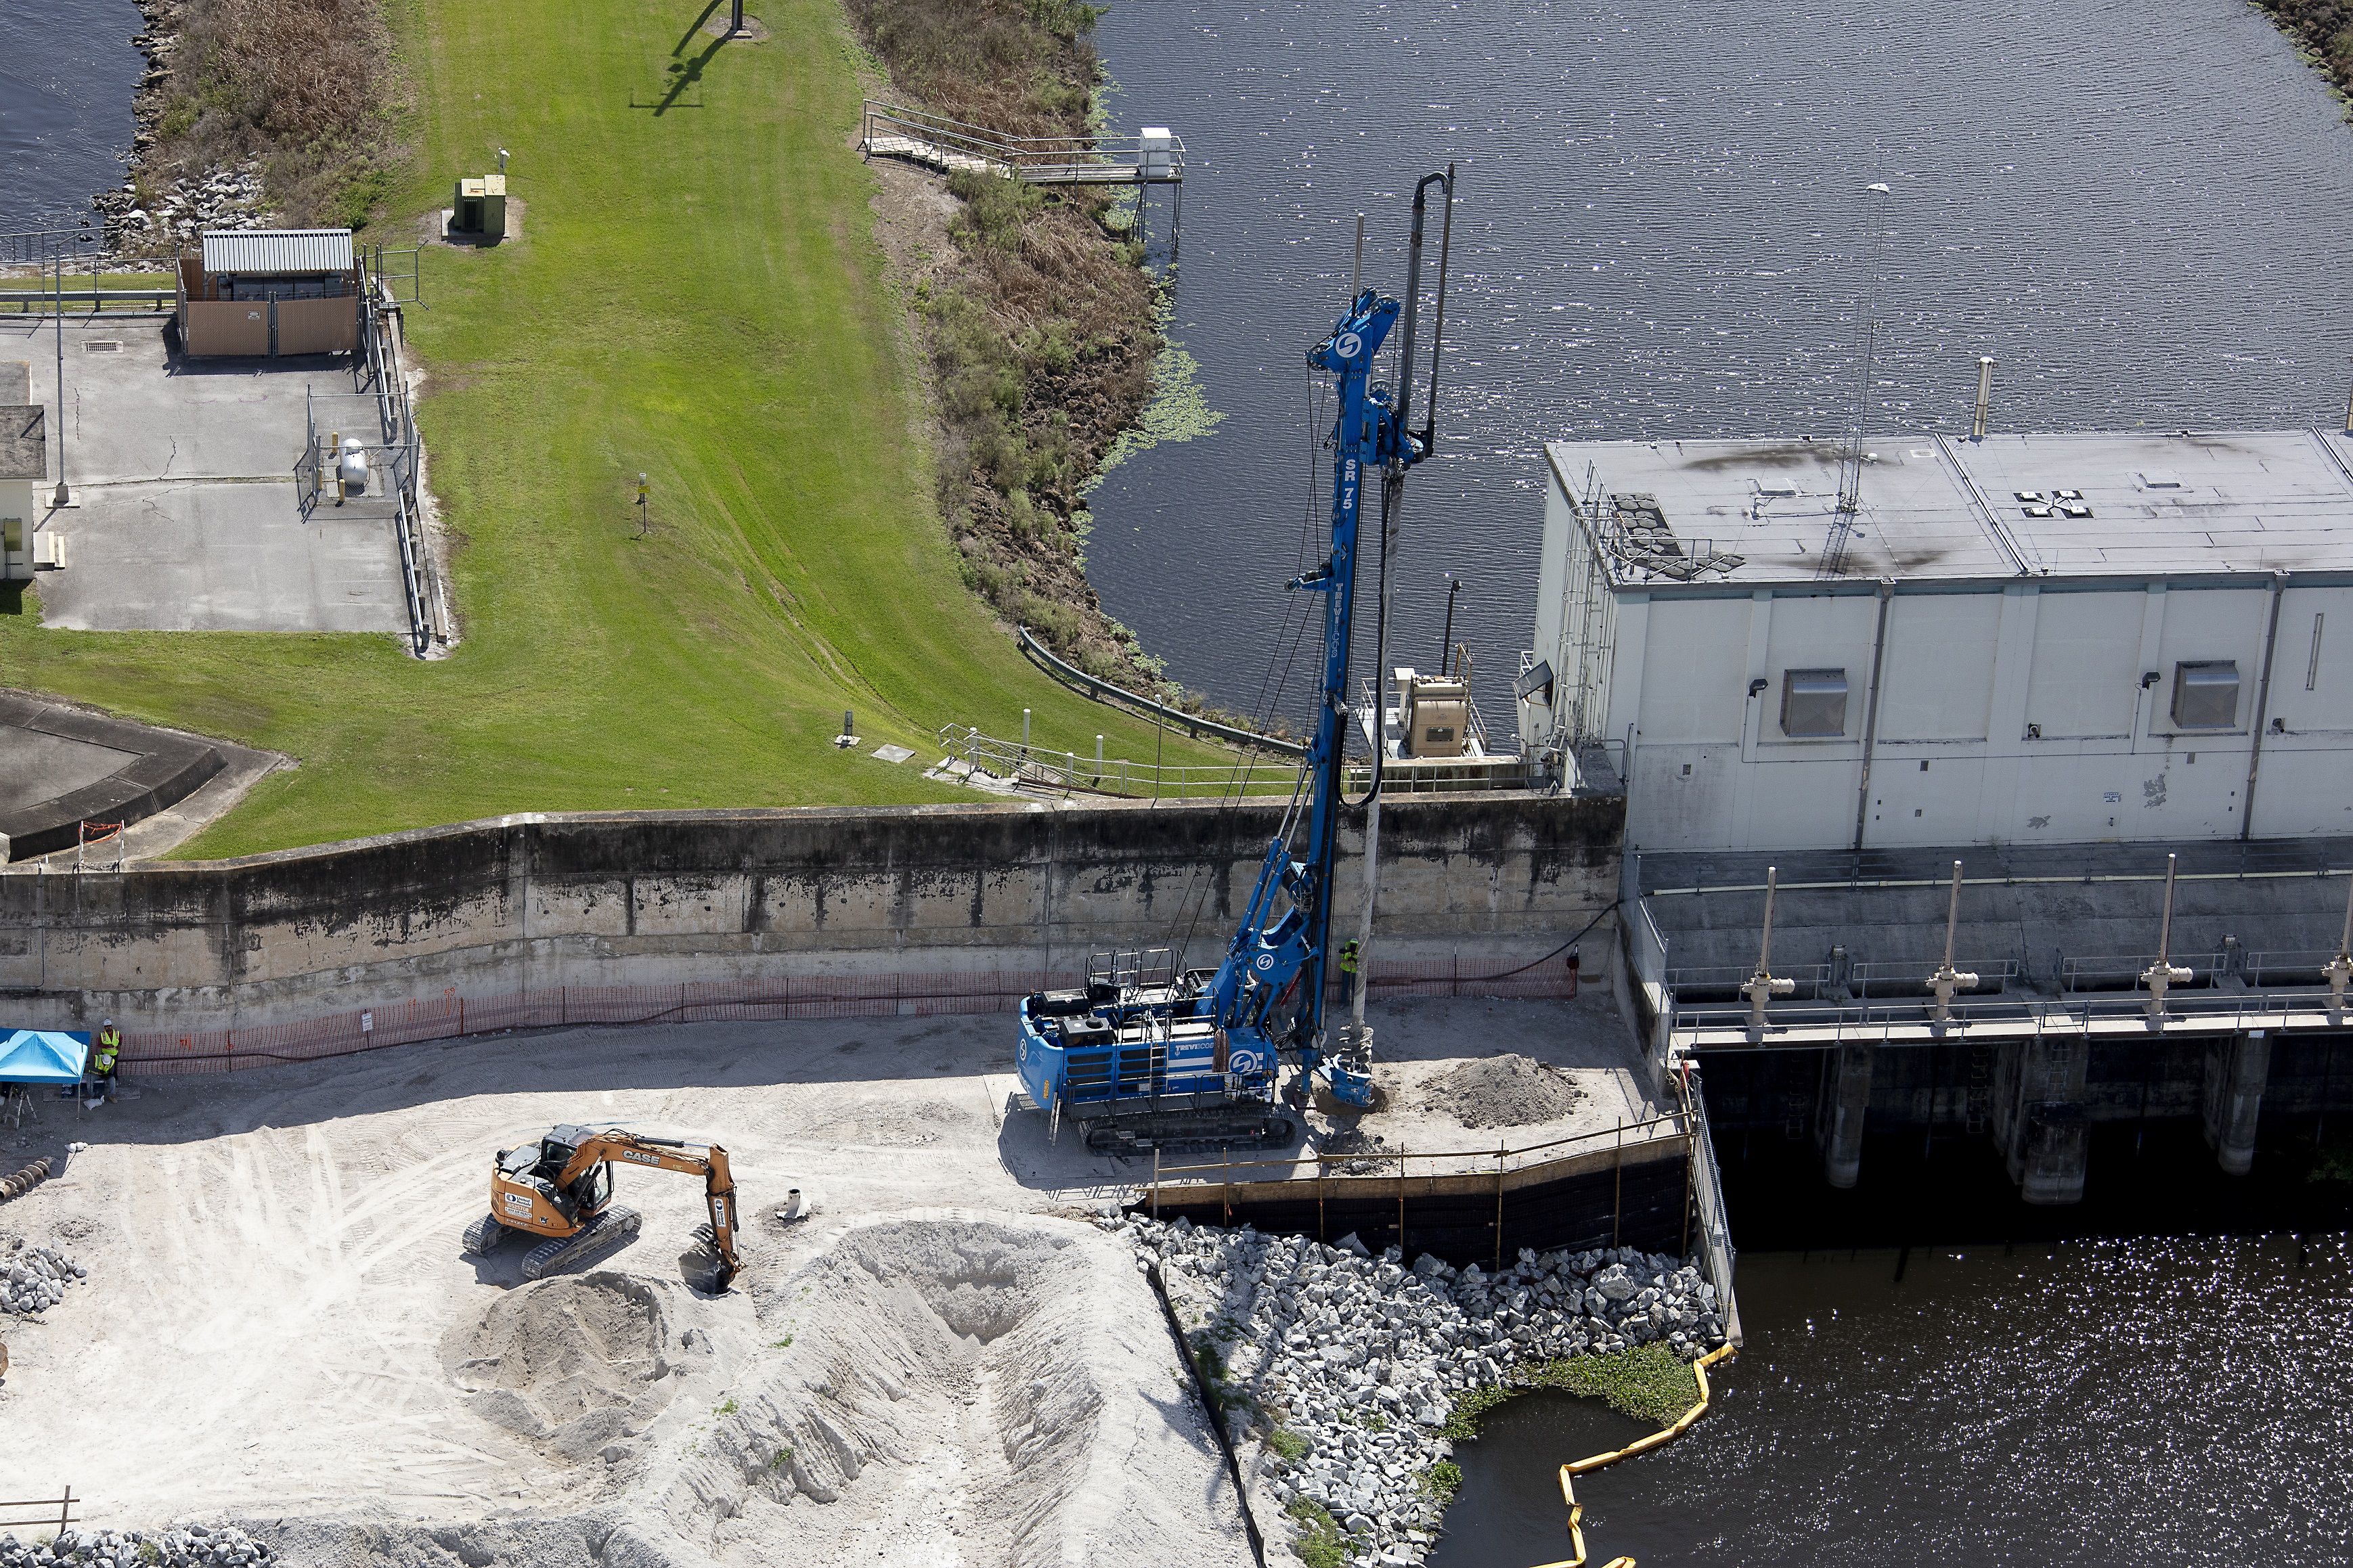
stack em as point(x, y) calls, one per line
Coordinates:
point(2120, 1381)
point(2138, 206)
point(2096, 1404)
point(67, 74)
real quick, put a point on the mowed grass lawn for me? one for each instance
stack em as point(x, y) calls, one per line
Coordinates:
point(696, 294)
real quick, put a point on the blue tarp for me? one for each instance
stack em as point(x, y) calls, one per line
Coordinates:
point(42, 1056)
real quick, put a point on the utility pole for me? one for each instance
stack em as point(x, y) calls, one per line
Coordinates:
point(64, 497)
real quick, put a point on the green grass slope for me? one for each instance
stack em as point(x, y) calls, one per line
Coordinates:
point(696, 295)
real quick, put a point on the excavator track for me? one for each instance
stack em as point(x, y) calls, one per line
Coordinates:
point(1234, 1128)
point(485, 1236)
point(612, 1227)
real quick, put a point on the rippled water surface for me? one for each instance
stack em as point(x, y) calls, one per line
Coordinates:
point(2139, 207)
point(67, 74)
point(2154, 1402)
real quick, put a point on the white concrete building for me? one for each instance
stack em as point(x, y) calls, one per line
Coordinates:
point(2062, 639)
point(24, 469)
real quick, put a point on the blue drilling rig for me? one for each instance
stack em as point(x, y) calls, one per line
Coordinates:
point(1147, 1057)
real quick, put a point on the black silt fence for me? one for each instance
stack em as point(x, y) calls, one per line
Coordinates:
point(1643, 1203)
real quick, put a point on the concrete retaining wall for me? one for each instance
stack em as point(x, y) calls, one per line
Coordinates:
point(521, 904)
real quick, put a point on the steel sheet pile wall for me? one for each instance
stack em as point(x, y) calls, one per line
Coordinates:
point(1637, 1197)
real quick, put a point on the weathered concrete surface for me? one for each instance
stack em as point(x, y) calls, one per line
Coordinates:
point(61, 766)
point(626, 899)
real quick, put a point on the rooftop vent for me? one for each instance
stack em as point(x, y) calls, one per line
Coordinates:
point(2206, 695)
point(2159, 479)
point(1813, 703)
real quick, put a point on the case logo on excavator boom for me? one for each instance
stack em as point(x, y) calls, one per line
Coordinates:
point(641, 1157)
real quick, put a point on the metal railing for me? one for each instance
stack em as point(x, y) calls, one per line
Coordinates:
point(2290, 967)
point(1717, 1254)
point(893, 130)
point(1194, 724)
point(1066, 772)
point(2121, 971)
point(46, 245)
point(377, 369)
point(1911, 977)
point(1822, 1022)
point(1499, 1160)
point(139, 302)
point(1701, 979)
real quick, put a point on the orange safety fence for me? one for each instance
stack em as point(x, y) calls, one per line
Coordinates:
point(935, 994)
point(1640, 1446)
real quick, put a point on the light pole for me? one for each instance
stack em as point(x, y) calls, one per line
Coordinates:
point(1446, 643)
point(64, 497)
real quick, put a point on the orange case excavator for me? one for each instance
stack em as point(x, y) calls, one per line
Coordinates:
point(559, 1185)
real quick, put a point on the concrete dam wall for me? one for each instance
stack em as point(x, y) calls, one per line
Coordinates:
point(728, 907)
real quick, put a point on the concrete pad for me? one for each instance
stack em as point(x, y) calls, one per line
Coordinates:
point(34, 767)
point(187, 515)
point(63, 765)
point(189, 557)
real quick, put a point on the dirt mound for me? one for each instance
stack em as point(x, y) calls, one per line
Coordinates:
point(576, 1362)
point(1504, 1091)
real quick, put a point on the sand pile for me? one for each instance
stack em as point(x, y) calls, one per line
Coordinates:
point(576, 1362)
point(1504, 1091)
point(936, 1388)
point(982, 1390)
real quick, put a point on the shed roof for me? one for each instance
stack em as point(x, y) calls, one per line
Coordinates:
point(2076, 505)
point(23, 442)
point(278, 251)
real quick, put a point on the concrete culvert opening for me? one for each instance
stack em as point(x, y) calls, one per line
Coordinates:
point(572, 1363)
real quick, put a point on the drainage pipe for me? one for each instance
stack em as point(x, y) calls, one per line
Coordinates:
point(1870, 710)
point(2262, 709)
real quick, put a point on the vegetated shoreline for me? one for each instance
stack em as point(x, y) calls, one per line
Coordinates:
point(254, 114)
point(1346, 1379)
point(2323, 33)
point(1043, 334)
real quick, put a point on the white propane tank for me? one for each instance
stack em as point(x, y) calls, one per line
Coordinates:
point(350, 468)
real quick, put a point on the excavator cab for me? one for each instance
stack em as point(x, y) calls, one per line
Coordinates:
point(559, 1185)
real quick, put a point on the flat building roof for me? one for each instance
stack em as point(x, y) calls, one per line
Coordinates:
point(2137, 504)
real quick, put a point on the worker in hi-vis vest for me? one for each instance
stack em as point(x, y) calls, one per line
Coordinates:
point(110, 1046)
point(1348, 951)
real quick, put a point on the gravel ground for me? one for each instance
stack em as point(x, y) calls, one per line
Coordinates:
point(1364, 1357)
point(1509, 1090)
point(279, 1331)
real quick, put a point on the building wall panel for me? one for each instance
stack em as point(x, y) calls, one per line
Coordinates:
point(2086, 671)
point(1693, 689)
point(1939, 681)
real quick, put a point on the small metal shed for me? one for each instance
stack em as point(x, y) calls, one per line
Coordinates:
point(271, 291)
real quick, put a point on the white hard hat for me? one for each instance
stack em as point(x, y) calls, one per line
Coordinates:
point(107, 1024)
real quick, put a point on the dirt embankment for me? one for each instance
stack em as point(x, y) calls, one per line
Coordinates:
point(255, 112)
point(2324, 29)
point(1039, 326)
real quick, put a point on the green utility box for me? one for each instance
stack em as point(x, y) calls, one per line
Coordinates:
point(482, 207)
